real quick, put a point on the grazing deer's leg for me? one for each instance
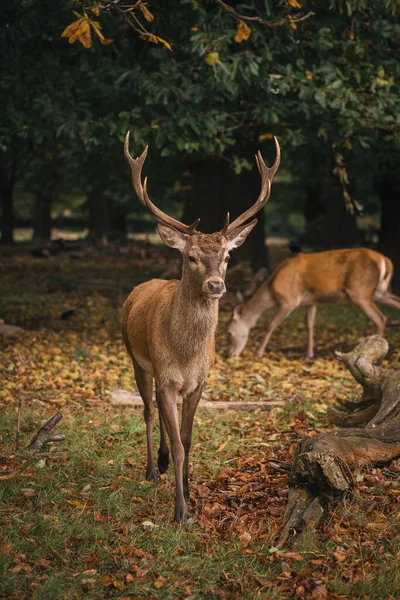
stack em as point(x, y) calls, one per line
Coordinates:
point(389, 300)
point(189, 407)
point(145, 385)
point(169, 413)
point(163, 451)
point(311, 311)
point(370, 309)
point(283, 312)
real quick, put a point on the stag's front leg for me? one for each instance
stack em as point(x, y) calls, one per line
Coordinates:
point(189, 407)
point(167, 405)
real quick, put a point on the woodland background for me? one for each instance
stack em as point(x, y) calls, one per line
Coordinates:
point(78, 520)
point(322, 76)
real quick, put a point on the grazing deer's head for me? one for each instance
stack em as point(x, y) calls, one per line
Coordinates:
point(205, 256)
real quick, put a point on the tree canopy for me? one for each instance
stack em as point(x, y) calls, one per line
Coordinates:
point(198, 81)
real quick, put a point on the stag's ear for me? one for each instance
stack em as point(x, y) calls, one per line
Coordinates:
point(171, 237)
point(237, 236)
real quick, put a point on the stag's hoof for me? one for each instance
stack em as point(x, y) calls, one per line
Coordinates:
point(181, 514)
point(151, 474)
point(259, 353)
point(163, 461)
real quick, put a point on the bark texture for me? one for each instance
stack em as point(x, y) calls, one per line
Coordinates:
point(323, 465)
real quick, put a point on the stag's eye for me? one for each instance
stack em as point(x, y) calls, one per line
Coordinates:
point(192, 259)
point(227, 258)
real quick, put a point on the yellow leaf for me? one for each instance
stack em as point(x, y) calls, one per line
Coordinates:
point(106, 41)
point(96, 11)
point(79, 30)
point(222, 446)
point(294, 3)
point(212, 58)
point(76, 503)
point(85, 36)
point(146, 13)
point(72, 28)
point(243, 32)
point(97, 27)
point(163, 42)
point(292, 23)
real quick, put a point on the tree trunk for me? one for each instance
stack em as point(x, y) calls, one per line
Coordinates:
point(117, 223)
point(322, 465)
point(42, 216)
point(206, 201)
point(218, 190)
point(97, 216)
point(7, 184)
point(328, 223)
point(389, 235)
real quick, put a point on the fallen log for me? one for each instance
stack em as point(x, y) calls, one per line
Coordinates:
point(323, 465)
point(127, 399)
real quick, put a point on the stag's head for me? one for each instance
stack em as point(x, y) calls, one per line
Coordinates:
point(205, 256)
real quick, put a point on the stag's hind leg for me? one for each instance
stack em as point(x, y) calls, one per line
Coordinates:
point(145, 386)
point(163, 451)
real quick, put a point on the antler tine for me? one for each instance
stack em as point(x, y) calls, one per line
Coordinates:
point(267, 175)
point(226, 225)
point(136, 165)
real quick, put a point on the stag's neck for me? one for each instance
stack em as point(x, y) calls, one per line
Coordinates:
point(193, 321)
point(261, 301)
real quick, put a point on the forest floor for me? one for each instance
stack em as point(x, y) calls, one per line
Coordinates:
point(80, 521)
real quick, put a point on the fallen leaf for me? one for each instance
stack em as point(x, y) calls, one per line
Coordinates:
point(87, 584)
point(160, 581)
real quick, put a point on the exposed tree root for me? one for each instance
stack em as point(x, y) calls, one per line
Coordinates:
point(323, 465)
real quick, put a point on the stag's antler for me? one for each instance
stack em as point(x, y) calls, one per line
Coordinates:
point(136, 165)
point(267, 175)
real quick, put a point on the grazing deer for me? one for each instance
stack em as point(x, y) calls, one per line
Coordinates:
point(169, 326)
point(358, 275)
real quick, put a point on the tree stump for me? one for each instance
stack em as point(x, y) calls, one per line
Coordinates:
point(322, 466)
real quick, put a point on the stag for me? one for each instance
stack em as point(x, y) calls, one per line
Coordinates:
point(358, 275)
point(169, 326)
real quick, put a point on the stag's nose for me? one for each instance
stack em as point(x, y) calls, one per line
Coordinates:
point(216, 286)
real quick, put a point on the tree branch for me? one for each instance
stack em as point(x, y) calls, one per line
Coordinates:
point(278, 22)
point(43, 436)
